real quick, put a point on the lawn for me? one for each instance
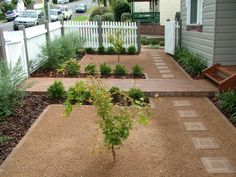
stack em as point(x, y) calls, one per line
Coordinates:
point(81, 18)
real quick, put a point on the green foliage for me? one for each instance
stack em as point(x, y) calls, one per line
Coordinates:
point(56, 91)
point(90, 69)
point(4, 138)
point(11, 88)
point(162, 43)
point(120, 70)
point(119, 7)
point(99, 11)
point(136, 94)
point(123, 51)
point(137, 71)
point(89, 50)
point(191, 62)
point(105, 69)
point(144, 41)
point(60, 50)
point(131, 50)
point(233, 118)
point(97, 18)
point(126, 17)
point(108, 17)
point(111, 50)
point(101, 49)
point(117, 41)
point(227, 101)
point(70, 68)
point(4, 7)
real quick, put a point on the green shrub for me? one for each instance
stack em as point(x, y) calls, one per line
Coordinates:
point(70, 68)
point(233, 118)
point(111, 50)
point(56, 91)
point(60, 49)
point(108, 17)
point(162, 43)
point(11, 88)
point(97, 18)
point(137, 71)
point(99, 11)
point(4, 7)
point(114, 90)
point(89, 50)
point(131, 50)
point(120, 70)
point(101, 49)
point(144, 41)
point(227, 101)
point(123, 50)
point(90, 69)
point(4, 139)
point(105, 69)
point(119, 7)
point(136, 94)
point(126, 17)
point(155, 42)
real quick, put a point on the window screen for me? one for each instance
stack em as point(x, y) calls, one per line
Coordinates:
point(193, 12)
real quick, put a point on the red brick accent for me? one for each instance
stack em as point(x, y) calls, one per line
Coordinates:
point(152, 29)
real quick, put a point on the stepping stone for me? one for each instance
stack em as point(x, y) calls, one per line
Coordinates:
point(218, 165)
point(195, 126)
point(157, 57)
point(205, 143)
point(180, 103)
point(187, 113)
point(160, 64)
point(164, 71)
point(162, 67)
point(158, 61)
point(167, 76)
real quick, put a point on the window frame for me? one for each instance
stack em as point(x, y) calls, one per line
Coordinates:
point(199, 12)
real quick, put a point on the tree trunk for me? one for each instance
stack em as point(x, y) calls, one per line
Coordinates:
point(118, 58)
point(113, 153)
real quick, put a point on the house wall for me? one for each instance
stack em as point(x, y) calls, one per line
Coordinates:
point(168, 8)
point(201, 42)
point(225, 36)
point(141, 6)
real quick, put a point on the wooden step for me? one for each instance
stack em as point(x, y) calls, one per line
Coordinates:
point(224, 71)
point(214, 77)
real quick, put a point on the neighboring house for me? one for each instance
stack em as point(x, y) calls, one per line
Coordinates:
point(38, 4)
point(209, 29)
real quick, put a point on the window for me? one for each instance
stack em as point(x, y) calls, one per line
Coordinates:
point(194, 12)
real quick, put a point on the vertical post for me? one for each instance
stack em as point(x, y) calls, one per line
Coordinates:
point(62, 28)
point(48, 32)
point(3, 54)
point(100, 32)
point(180, 33)
point(21, 27)
point(139, 37)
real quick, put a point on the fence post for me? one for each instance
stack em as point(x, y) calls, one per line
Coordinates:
point(100, 32)
point(62, 28)
point(48, 32)
point(2, 45)
point(21, 27)
point(139, 37)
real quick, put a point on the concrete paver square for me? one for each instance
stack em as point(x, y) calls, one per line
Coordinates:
point(158, 61)
point(160, 64)
point(205, 143)
point(218, 165)
point(179, 103)
point(187, 113)
point(195, 126)
point(162, 67)
point(164, 71)
point(157, 58)
point(167, 76)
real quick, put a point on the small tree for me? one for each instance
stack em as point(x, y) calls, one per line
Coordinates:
point(115, 122)
point(117, 41)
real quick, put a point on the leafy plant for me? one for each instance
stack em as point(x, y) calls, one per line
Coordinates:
point(233, 118)
point(108, 17)
point(90, 69)
point(120, 70)
point(144, 41)
point(110, 50)
point(136, 94)
point(119, 7)
point(227, 101)
point(70, 68)
point(89, 50)
point(99, 11)
point(60, 50)
point(131, 50)
point(117, 41)
point(4, 138)
point(123, 51)
point(11, 88)
point(126, 17)
point(101, 49)
point(162, 43)
point(56, 91)
point(137, 71)
point(105, 69)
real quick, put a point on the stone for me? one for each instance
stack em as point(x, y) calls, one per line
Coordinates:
point(195, 126)
point(205, 143)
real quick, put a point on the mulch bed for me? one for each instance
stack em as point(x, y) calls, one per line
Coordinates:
point(50, 73)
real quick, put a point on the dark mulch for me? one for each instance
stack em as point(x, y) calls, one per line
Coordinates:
point(50, 73)
point(17, 125)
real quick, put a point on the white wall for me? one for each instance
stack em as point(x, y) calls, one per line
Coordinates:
point(141, 7)
point(168, 8)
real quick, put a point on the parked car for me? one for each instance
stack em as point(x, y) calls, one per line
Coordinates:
point(29, 18)
point(56, 15)
point(11, 15)
point(81, 8)
point(66, 11)
point(62, 1)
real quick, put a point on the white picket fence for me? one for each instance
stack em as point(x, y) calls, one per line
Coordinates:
point(28, 48)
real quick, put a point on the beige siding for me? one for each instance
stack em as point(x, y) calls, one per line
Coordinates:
point(225, 37)
point(141, 6)
point(168, 8)
point(200, 42)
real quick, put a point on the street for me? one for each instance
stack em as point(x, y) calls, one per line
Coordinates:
point(8, 26)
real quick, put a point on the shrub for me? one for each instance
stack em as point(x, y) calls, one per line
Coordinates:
point(108, 17)
point(56, 91)
point(99, 11)
point(119, 7)
point(97, 18)
point(90, 69)
point(110, 50)
point(137, 70)
point(89, 50)
point(125, 17)
point(117, 41)
point(131, 50)
point(11, 88)
point(227, 101)
point(60, 49)
point(70, 68)
point(136, 94)
point(154, 42)
point(4, 7)
point(162, 43)
point(105, 69)
point(123, 50)
point(144, 41)
point(101, 49)
point(120, 70)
